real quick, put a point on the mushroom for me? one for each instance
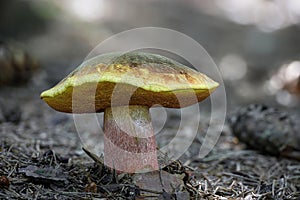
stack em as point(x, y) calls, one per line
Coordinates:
point(124, 86)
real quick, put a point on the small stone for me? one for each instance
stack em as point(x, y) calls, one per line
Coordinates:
point(91, 187)
point(4, 182)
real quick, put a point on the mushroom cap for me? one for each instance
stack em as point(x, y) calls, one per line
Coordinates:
point(134, 78)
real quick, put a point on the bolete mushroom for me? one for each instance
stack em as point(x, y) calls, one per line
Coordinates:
point(125, 86)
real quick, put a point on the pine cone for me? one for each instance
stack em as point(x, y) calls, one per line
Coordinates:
point(16, 65)
point(268, 130)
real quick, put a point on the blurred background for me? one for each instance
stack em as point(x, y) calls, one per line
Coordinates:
point(255, 43)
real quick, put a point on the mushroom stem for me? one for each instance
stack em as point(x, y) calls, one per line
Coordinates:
point(129, 141)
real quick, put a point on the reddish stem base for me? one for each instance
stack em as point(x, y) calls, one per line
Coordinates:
point(129, 141)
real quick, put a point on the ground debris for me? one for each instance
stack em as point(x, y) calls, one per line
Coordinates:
point(228, 172)
point(49, 176)
point(160, 183)
point(42, 177)
point(44, 174)
point(245, 175)
point(223, 174)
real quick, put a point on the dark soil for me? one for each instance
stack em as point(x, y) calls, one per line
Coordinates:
point(41, 158)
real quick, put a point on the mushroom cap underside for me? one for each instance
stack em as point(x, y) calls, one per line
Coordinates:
point(135, 78)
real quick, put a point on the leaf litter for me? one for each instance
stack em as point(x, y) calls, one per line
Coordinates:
point(41, 158)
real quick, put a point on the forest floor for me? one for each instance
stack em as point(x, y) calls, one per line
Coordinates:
point(41, 157)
